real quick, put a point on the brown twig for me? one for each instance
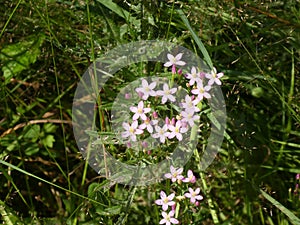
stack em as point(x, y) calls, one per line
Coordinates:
point(268, 14)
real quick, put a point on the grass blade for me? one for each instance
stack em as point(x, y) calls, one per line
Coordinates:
point(294, 219)
point(196, 38)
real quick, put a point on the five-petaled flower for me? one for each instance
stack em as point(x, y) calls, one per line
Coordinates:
point(175, 174)
point(140, 111)
point(161, 133)
point(214, 77)
point(174, 60)
point(201, 91)
point(189, 117)
point(167, 93)
point(190, 177)
point(148, 124)
point(194, 76)
point(165, 201)
point(193, 195)
point(177, 130)
point(189, 103)
point(131, 130)
point(168, 218)
point(146, 89)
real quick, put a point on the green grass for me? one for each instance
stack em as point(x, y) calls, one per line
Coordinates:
point(46, 46)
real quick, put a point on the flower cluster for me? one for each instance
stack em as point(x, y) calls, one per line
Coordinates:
point(169, 200)
point(145, 119)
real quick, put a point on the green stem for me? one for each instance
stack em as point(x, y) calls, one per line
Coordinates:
point(4, 214)
point(213, 212)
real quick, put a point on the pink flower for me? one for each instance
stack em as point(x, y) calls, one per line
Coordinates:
point(146, 89)
point(148, 124)
point(165, 201)
point(131, 130)
point(194, 77)
point(190, 103)
point(175, 174)
point(189, 117)
point(177, 130)
point(193, 195)
point(139, 111)
point(214, 77)
point(201, 92)
point(161, 133)
point(174, 60)
point(168, 218)
point(190, 177)
point(167, 93)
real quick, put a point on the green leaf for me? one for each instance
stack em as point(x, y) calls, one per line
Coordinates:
point(33, 132)
point(111, 211)
point(120, 11)
point(19, 56)
point(257, 92)
point(32, 149)
point(48, 140)
point(49, 128)
point(196, 38)
point(8, 215)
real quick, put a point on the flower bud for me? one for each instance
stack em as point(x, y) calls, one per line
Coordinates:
point(127, 96)
point(145, 144)
point(173, 69)
point(155, 115)
point(167, 120)
point(201, 75)
point(173, 207)
point(173, 122)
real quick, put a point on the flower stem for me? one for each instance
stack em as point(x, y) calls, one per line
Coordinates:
point(213, 212)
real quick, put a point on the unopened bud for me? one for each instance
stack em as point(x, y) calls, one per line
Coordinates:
point(173, 69)
point(173, 122)
point(155, 115)
point(127, 96)
point(167, 120)
point(201, 75)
